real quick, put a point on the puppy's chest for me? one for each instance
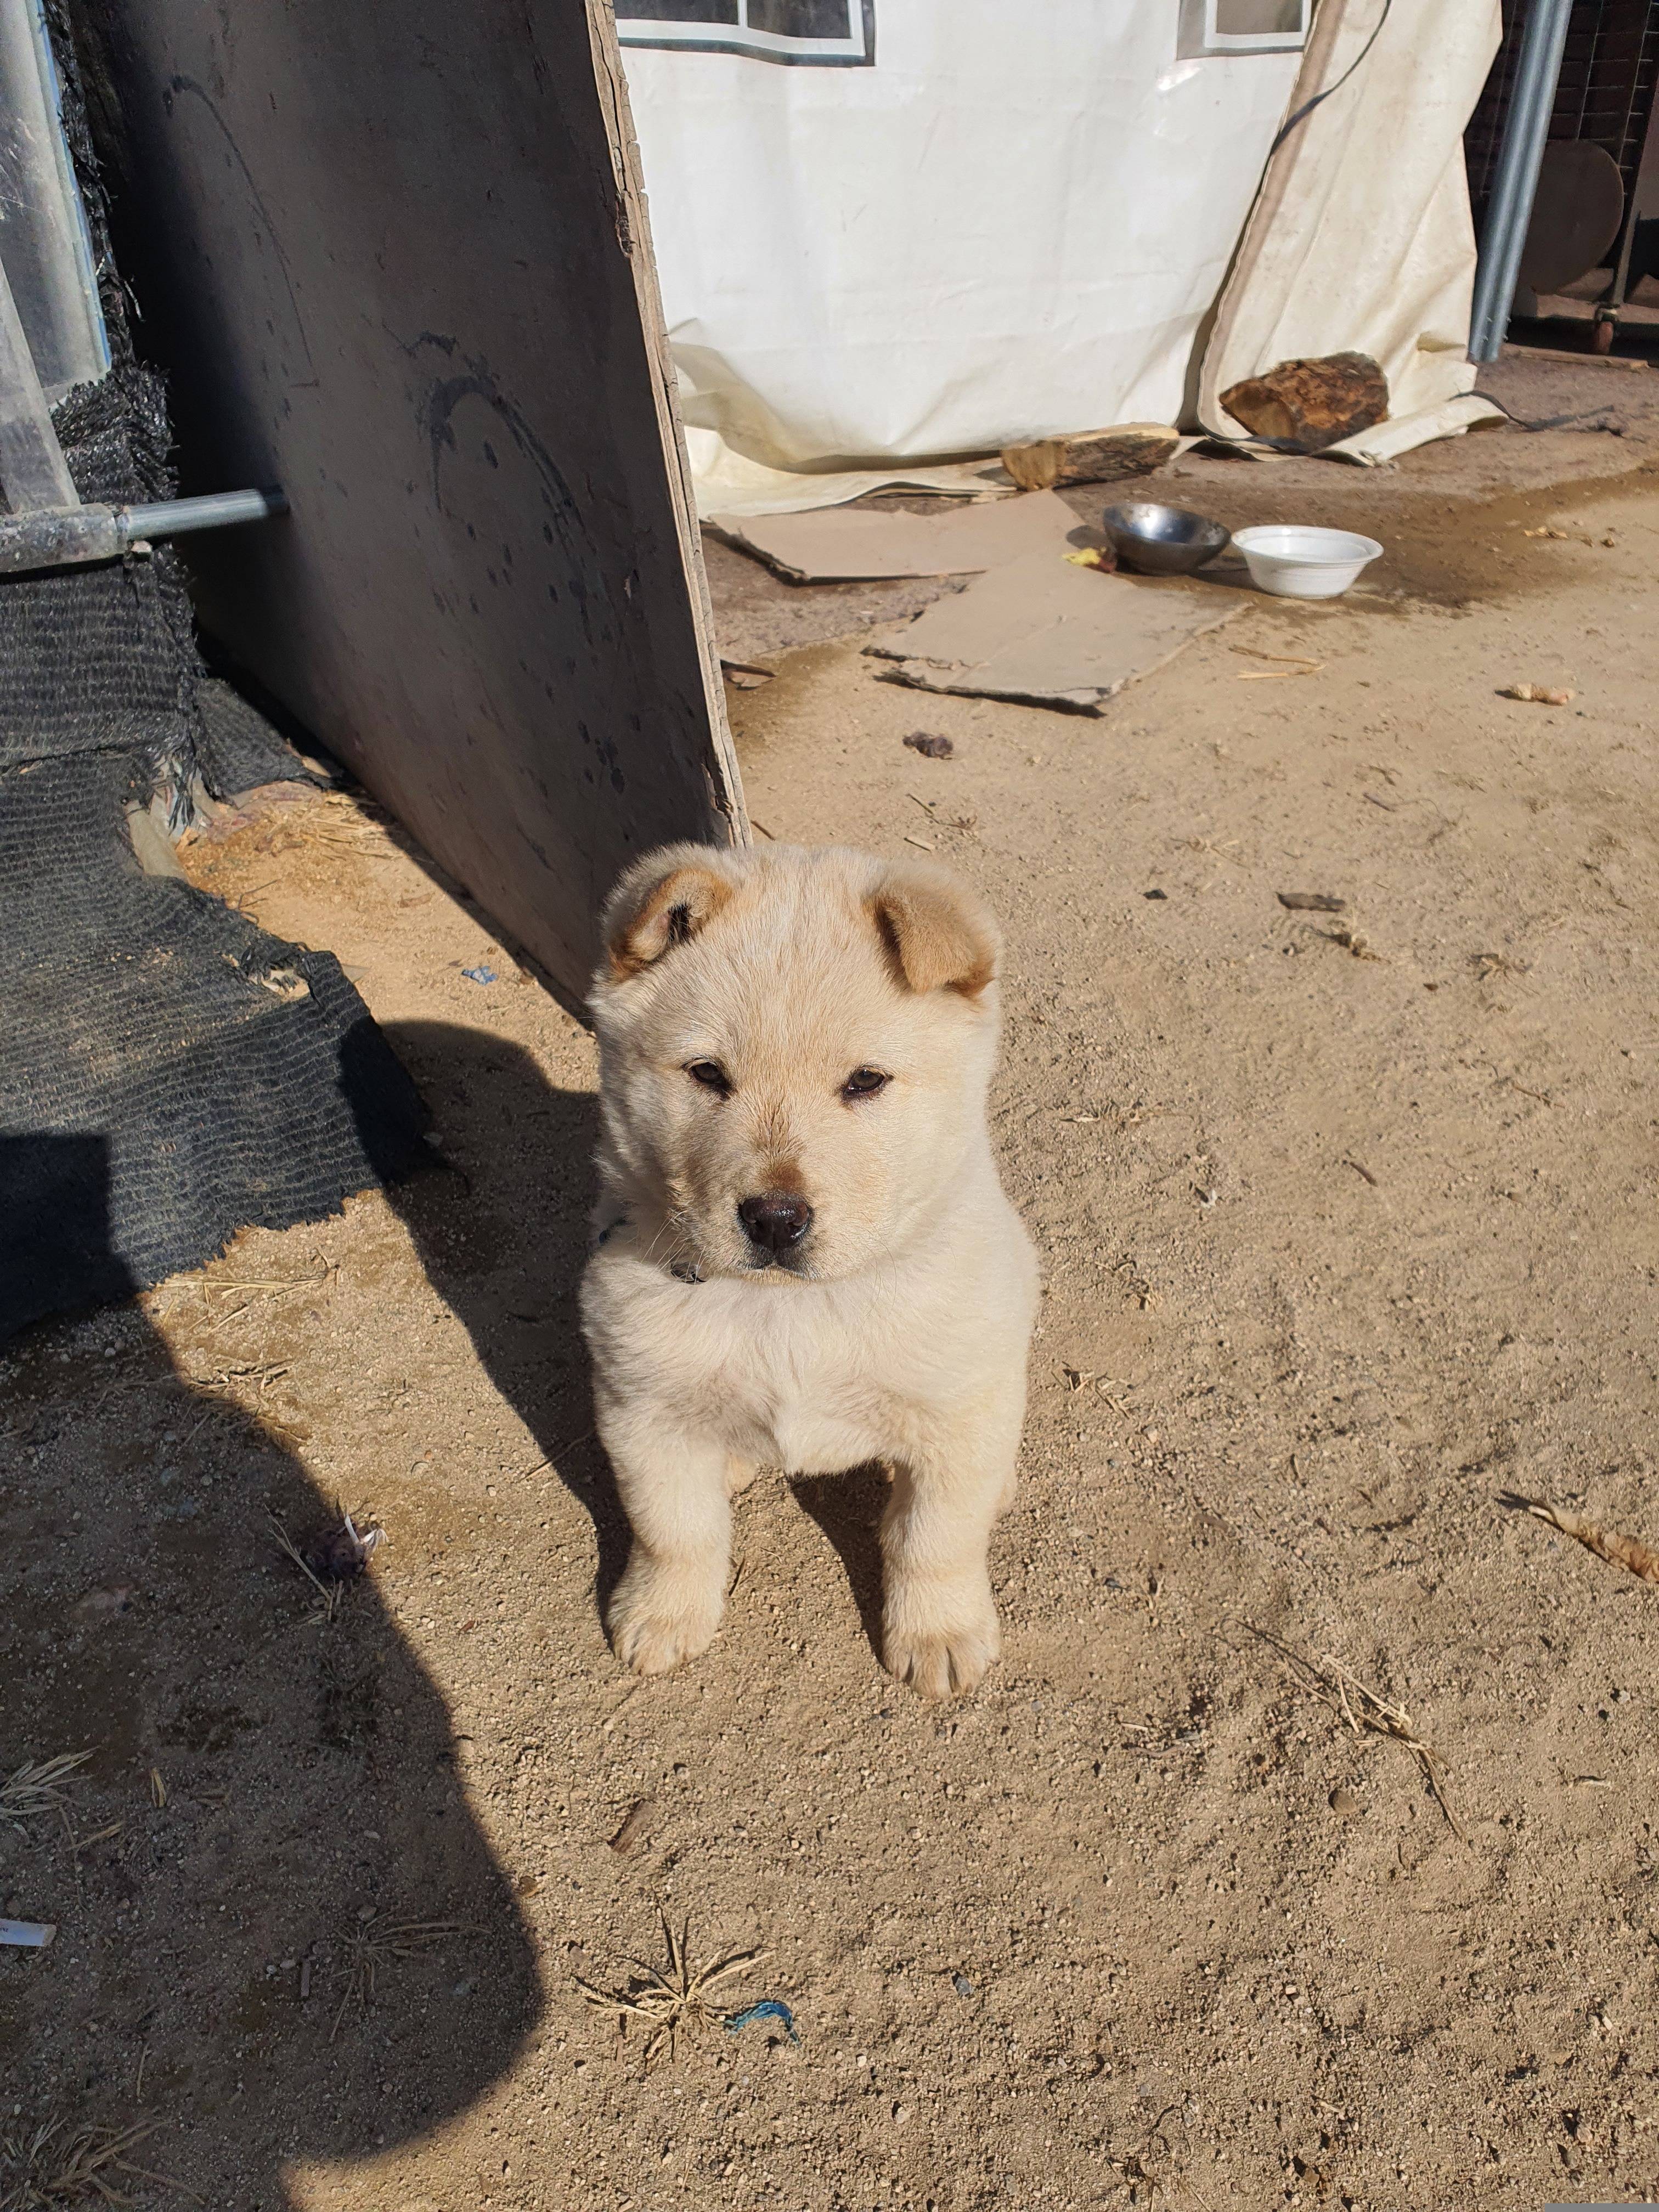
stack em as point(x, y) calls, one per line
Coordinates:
point(812, 1414)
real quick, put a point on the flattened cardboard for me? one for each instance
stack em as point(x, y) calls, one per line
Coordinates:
point(1043, 632)
point(848, 544)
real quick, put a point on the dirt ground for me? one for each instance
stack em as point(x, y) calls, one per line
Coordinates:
point(1347, 1225)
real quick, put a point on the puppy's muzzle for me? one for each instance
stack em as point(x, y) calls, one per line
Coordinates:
point(774, 1223)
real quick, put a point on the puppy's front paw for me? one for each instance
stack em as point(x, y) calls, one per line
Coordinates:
point(661, 1615)
point(941, 1643)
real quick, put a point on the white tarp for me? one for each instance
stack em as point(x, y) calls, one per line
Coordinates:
point(1362, 240)
point(1011, 224)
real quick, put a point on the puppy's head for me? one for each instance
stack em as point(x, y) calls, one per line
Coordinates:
point(795, 1047)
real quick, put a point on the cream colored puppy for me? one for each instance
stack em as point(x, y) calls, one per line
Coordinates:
point(804, 1258)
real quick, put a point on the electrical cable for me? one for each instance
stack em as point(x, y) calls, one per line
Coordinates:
point(1309, 106)
point(1558, 421)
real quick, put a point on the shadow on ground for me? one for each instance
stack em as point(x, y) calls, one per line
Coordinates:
point(283, 1936)
point(501, 1231)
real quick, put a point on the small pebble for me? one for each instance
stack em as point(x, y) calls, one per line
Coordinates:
point(961, 1985)
point(1345, 1802)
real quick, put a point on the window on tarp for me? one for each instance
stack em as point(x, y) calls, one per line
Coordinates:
point(1241, 27)
point(837, 31)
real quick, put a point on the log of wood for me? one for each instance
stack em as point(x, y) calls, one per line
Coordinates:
point(1310, 405)
point(1128, 449)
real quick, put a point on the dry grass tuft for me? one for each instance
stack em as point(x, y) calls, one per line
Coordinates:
point(38, 1788)
point(668, 2003)
point(1364, 1711)
point(56, 2165)
point(329, 1594)
point(372, 1947)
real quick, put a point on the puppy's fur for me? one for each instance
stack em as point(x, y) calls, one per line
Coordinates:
point(896, 1327)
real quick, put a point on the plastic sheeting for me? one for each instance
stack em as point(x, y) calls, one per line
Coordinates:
point(1011, 224)
point(1362, 239)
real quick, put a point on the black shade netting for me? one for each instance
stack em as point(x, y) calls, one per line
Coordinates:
point(168, 1073)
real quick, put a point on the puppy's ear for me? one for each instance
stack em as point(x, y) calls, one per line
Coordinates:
point(661, 901)
point(939, 934)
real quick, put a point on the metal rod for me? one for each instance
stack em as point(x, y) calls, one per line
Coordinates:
point(213, 510)
point(62, 536)
point(1508, 212)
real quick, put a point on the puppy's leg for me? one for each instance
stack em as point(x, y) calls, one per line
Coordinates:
point(669, 1602)
point(939, 1625)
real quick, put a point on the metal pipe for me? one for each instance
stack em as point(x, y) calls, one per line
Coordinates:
point(62, 536)
point(1508, 212)
point(214, 510)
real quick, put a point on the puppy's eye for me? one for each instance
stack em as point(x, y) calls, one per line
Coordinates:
point(712, 1076)
point(864, 1082)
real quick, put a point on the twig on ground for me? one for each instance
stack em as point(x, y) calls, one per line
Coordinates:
point(553, 1458)
point(1079, 1379)
point(263, 1372)
point(1298, 663)
point(1364, 1711)
point(258, 1287)
point(329, 1597)
point(79, 1844)
point(1542, 1097)
point(962, 822)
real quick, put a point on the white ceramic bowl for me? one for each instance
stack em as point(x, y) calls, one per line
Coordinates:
point(1299, 562)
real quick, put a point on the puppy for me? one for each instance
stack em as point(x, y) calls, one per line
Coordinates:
point(803, 1256)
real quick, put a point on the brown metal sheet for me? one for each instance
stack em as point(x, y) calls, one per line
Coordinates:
point(395, 258)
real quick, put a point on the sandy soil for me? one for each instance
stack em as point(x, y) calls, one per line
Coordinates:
point(1347, 1223)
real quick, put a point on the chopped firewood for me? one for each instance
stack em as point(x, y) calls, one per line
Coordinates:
point(1129, 449)
point(1310, 405)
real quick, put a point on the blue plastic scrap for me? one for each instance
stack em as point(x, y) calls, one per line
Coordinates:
point(768, 2008)
point(479, 974)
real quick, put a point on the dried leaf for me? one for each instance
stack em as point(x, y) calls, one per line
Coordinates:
point(1537, 694)
point(633, 1826)
point(1606, 1543)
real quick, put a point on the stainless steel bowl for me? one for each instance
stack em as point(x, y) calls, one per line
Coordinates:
point(1162, 541)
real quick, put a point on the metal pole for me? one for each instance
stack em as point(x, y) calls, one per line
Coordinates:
point(59, 536)
point(210, 510)
point(1510, 211)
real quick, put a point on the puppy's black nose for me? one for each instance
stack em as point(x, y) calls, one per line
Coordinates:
point(775, 1221)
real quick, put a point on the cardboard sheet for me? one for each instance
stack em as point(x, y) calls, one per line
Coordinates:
point(1045, 632)
point(848, 544)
